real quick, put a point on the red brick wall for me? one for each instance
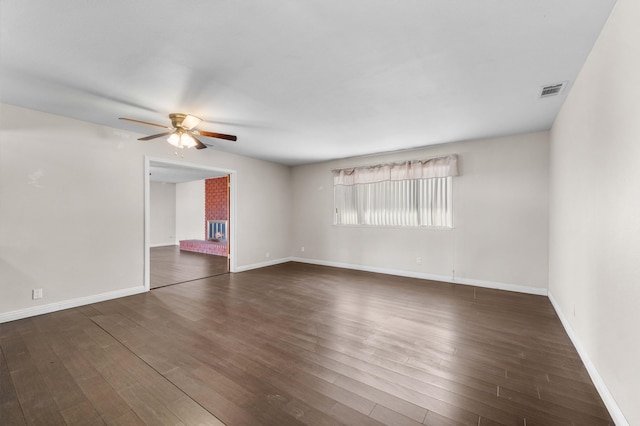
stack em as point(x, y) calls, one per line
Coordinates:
point(204, 247)
point(216, 200)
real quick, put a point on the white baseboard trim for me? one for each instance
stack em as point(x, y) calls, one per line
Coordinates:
point(502, 286)
point(603, 390)
point(163, 245)
point(262, 264)
point(424, 276)
point(67, 304)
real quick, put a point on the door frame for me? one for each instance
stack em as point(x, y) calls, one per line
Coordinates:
point(147, 209)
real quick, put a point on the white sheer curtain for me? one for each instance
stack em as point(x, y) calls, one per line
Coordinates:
point(413, 193)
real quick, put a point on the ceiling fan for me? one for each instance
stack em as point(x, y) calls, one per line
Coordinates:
point(182, 133)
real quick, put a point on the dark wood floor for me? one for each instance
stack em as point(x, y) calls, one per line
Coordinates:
point(170, 265)
point(299, 344)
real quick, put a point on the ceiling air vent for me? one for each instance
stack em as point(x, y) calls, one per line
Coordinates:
point(552, 89)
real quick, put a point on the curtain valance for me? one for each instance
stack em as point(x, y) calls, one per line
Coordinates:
point(408, 170)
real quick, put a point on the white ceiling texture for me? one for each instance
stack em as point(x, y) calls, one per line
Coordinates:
point(300, 81)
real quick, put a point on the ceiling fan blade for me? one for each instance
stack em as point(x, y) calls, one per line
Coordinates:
point(190, 121)
point(199, 144)
point(159, 135)
point(144, 122)
point(216, 135)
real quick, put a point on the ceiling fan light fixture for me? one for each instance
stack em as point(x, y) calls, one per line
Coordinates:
point(187, 141)
point(174, 139)
point(181, 139)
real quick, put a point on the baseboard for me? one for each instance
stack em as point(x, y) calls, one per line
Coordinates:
point(421, 275)
point(67, 304)
point(603, 390)
point(163, 245)
point(537, 291)
point(263, 264)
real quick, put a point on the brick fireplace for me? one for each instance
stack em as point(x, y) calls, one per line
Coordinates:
point(216, 219)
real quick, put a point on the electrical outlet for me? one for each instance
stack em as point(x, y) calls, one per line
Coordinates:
point(302, 249)
point(418, 260)
point(267, 255)
point(36, 294)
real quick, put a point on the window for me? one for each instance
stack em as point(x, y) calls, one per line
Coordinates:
point(416, 193)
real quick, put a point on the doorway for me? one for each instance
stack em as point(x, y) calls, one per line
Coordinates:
point(165, 262)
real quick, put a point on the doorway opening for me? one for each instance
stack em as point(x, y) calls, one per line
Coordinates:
point(183, 202)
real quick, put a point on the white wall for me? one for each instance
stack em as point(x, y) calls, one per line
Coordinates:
point(72, 210)
point(162, 200)
point(500, 218)
point(190, 209)
point(595, 209)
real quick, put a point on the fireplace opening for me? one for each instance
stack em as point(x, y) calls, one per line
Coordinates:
point(217, 230)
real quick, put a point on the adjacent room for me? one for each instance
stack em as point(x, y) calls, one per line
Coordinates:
point(345, 213)
point(189, 222)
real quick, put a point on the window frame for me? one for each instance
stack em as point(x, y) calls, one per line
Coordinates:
point(449, 205)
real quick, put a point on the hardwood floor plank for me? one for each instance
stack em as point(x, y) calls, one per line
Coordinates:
point(82, 414)
point(384, 399)
point(170, 265)
point(187, 410)
point(149, 408)
point(541, 410)
point(348, 416)
point(214, 402)
point(9, 404)
point(37, 403)
point(128, 419)
point(106, 401)
point(434, 419)
point(390, 417)
point(62, 385)
point(417, 394)
point(299, 344)
point(362, 382)
point(11, 413)
point(337, 393)
point(38, 406)
point(308, 415)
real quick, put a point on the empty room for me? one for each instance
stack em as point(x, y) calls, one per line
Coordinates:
point(320, 213)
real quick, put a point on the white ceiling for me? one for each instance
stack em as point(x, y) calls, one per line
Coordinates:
point(300, 81)
point(173, 173)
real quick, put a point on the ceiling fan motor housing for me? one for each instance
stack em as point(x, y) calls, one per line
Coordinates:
point(177, 119)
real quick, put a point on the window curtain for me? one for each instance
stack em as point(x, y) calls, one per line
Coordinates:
point(418, 202)
point(408, 170)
